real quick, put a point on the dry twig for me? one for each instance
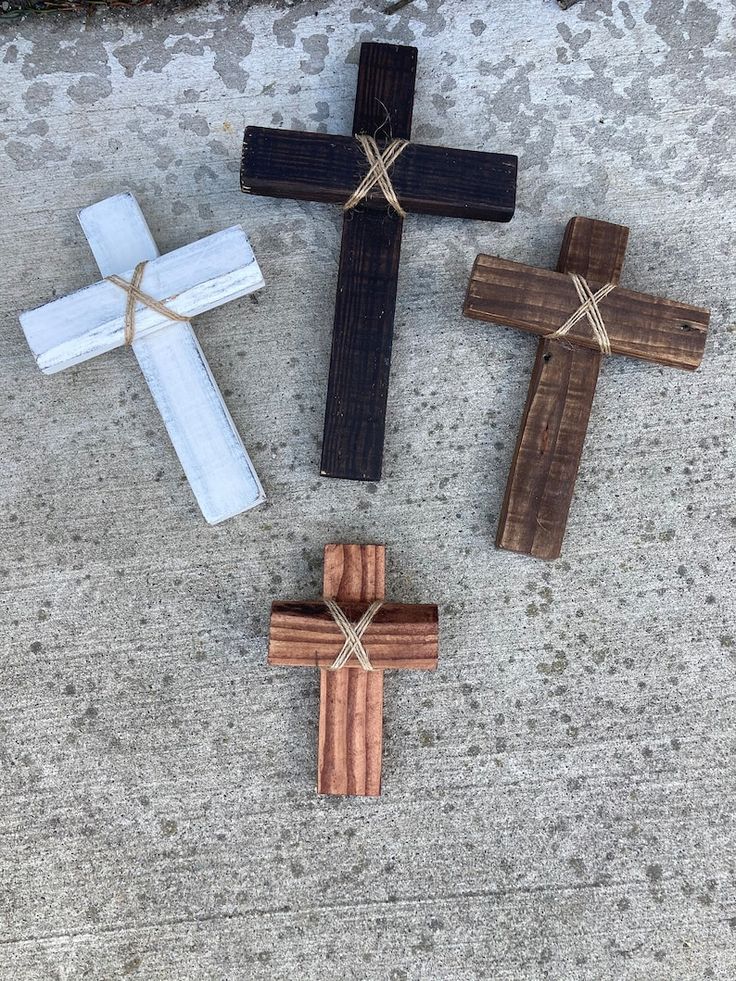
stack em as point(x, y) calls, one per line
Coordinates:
point(10, 10)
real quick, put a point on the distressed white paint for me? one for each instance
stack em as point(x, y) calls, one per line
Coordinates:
point(193, 279)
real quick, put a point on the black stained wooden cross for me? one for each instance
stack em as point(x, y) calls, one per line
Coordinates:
point(427, 180)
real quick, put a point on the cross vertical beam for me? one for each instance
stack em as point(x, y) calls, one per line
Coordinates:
point(546, 460)
point(362, 333)
point(350, 743)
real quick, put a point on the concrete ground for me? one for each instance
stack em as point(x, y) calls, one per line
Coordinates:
point(559, 797)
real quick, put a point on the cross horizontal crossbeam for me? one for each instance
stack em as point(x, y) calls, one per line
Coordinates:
point(399, 635)
point(190, 280)
point(539, 301)
point(428, 180)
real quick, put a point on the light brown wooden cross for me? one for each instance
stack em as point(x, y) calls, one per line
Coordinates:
point(351, 699)
point(542, 479)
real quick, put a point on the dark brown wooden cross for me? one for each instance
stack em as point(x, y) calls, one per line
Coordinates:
point(427, 180)
point(545, 464)
point(350, 743)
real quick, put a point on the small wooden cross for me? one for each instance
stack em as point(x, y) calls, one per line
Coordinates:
point(545, 464)
point(427, 180)
point(193, 279)
point(351, 698)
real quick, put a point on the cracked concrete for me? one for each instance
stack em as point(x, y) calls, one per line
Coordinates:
point(559, 797)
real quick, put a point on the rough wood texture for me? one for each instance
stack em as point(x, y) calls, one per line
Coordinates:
point(540, 301)
point(431, 180)
point(305, 635)
point(542, 478)
point(191, 280)
point(428, 180)
point(365, 304)
point(350, 740)
point(196, 278)
point(200, 427)
point(362, 337)
point(541, 481)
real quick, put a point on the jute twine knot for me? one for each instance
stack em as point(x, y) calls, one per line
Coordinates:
point(378, 172)
point(134, 292)
point(353, 633)
point(589, 308)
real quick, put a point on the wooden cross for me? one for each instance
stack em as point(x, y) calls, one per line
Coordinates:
point(545, 464)
point(199, 277)
point(351, 698)
point(427, 180)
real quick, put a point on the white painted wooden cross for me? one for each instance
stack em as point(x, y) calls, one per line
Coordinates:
point(190, 280)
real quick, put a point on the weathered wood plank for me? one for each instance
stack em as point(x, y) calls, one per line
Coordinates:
point(354, 573)
point(198, 277)
point(547, 456)
point(350, 742)
point(362, 339)
point(539, 301)
point(210, 450)
point(541, 481)
point(384, 95)
point(363, 328)
point(303, 634)
point(428, 180)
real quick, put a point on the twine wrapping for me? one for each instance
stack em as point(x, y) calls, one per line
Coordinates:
point(379, 164)
point(134, 292)
point(353, 633)
point(588, 308)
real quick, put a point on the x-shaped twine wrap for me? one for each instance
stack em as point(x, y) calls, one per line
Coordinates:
point(353, 634)
point(378, 174)
point(588, 308)
point(134, 292)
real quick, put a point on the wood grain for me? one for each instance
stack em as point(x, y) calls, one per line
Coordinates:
point(362, 339)
point(236, 870)
point(350, 741)
point(550, 443)
point(539, 301)
point(541, 482)
point(203, 434)
point(363, 328)
point(304, 634)
point(429, 180)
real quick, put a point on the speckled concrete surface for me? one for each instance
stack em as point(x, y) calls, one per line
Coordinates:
point(559, 797)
